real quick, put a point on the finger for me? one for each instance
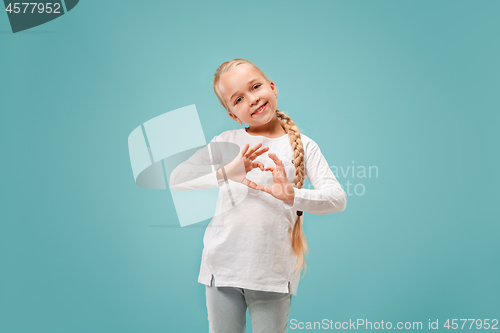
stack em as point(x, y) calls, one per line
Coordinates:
point(279, 174)
point(244, 151)
point(264, 188)
point(260, 151)
point(253, 149)
point(250, 183)
point(276, 160)
point(257, 164)
point(257, 153)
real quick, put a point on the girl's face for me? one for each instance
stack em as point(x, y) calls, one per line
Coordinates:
point(248, 95)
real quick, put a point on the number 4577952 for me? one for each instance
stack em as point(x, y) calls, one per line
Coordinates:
point(485, 324)
point(48, 8)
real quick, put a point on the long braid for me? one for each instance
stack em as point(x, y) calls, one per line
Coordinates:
point(299, 242)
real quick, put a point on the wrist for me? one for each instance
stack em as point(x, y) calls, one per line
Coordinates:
point(223, 172)
point(290, 198)
point(219, 174)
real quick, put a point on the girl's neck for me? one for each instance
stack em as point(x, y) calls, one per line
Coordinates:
point(272, 129)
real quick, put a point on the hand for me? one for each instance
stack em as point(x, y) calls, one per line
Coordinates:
point(282, 188)
point(237, 169)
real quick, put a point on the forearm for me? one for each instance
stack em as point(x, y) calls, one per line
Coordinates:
point(322, 201)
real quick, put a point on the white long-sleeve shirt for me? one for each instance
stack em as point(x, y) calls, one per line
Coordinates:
point(247, 244)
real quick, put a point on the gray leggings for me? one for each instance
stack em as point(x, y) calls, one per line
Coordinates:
point(227, 307)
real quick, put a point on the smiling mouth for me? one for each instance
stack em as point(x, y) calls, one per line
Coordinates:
point(260, 110)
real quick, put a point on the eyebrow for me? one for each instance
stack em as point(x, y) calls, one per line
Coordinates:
point(249, 83)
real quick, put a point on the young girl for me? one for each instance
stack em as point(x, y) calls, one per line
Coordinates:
point(254, 249)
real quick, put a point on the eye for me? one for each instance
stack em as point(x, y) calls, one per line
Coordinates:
point(239, 98)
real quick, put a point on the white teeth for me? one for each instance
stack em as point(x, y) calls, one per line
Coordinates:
point(258, 109)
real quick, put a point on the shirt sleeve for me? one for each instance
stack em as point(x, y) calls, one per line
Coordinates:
point(327, 196)
point(198, 172)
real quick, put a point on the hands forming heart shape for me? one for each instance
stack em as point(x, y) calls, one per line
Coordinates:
point(237, 170)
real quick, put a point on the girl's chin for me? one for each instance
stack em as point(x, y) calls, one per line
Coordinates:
point(261, 122)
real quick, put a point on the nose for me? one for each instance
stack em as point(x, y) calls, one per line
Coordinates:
point(253, 99)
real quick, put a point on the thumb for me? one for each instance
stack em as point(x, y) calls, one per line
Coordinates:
point(250, 183)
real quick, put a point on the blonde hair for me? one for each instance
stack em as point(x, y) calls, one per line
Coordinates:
point(299, 243)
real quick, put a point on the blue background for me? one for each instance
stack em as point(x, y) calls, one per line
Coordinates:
point(410, 87)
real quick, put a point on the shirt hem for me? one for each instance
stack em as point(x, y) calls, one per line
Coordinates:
point(221, 281)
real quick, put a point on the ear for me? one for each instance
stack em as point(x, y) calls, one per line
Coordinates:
point(232, 116)
point(273, 87)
